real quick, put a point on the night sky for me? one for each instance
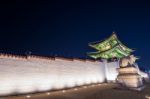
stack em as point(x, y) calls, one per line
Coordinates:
point(64, 28)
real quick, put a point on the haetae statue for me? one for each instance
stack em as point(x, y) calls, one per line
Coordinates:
point(128, 61)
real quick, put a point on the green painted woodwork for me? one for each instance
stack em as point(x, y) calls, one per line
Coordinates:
point(109, 48)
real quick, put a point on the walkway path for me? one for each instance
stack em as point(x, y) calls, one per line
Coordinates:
point(99, 91)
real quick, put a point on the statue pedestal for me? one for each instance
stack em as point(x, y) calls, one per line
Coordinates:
point(129, 78)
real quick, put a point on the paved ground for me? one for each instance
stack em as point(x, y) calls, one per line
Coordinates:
point(99, 91)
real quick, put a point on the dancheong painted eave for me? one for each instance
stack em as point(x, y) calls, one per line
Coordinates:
point(114, 52)
point(109, 48)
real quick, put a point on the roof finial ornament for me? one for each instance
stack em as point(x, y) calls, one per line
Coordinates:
point(114, 32)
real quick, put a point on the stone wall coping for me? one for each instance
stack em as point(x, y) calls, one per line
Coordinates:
point(30, 57)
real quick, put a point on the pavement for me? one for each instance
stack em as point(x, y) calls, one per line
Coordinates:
point(95, 91)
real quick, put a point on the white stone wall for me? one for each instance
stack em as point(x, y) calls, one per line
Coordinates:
point(20, 75)
point(111, 71)
point(36, 74)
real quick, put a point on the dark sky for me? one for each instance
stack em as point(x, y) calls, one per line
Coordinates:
point(65, 28)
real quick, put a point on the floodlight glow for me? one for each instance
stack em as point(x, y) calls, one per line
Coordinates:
point(34, 74)
point(48, 93)
point(85, 87)
point(75, 88)
point(147, 96)
point(99, 84)
point(64, 91)
point(28, 96)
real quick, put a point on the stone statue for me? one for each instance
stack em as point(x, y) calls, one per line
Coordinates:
point(128, 61)
point(128, 76)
